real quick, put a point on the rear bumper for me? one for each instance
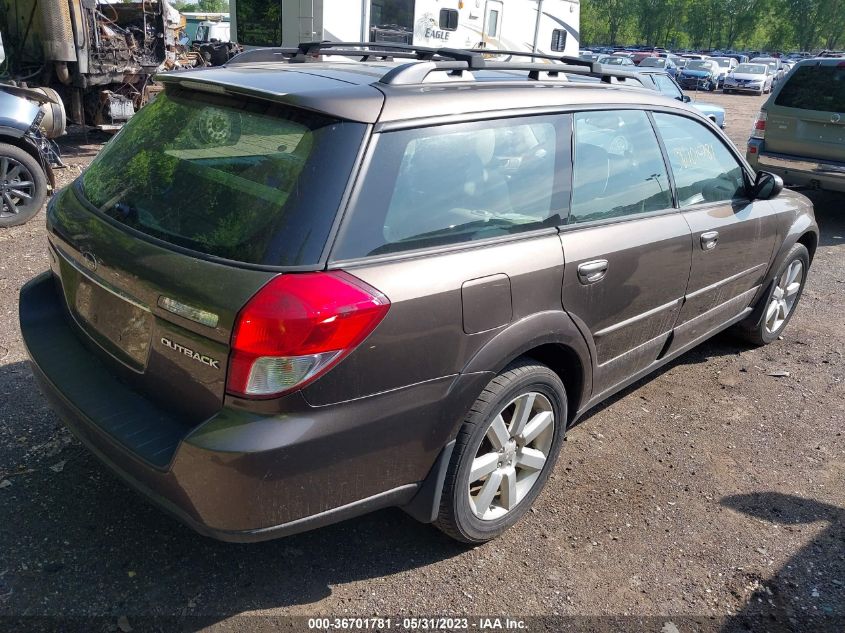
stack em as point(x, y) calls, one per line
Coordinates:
point(799, 171)
point(242, 476)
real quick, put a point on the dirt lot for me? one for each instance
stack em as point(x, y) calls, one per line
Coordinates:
point(712, 490)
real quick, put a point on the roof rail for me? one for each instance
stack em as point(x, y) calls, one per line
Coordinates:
point(574, 61)
point(416, 73)
point(366, 51)
point(450, 60)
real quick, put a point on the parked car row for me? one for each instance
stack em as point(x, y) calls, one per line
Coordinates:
point(699, 71)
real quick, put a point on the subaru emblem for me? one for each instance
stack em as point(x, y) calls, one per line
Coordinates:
point(90, 259)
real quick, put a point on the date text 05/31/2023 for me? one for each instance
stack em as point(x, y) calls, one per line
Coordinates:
point(416, 624)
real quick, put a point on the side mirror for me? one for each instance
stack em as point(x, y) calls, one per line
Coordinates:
point(766, 186)
point(686, 98)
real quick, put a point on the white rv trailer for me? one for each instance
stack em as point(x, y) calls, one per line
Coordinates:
point(541, 26)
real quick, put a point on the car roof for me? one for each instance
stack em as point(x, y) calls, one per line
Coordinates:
point(353, 90)
point(822, 61)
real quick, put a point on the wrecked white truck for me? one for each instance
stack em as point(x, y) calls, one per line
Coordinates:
point(99, 57)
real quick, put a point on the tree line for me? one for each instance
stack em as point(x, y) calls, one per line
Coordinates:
point(772, 25)
point(201, 6)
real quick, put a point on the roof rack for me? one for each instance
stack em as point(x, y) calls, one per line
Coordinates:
point(429, 60)
point(366, 51)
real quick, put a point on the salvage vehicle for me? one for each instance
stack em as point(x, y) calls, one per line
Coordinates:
point(664, 83)
point(726, 66)
point(262, 345)
point(756, 78)
point(700, 74)
point(800, 131)
point(616, 60)
point(98, 56)
point(665, 63)
point(27, 153)
point(775, 67)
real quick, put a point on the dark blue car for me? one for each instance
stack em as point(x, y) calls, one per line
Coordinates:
point(700, 74)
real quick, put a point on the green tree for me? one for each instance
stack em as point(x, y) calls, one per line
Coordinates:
point(833, 23)
point(739, 17)
point(612, 14)
point(805, 16)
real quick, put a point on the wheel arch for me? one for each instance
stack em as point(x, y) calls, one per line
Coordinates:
point(810, 239)
point(551, 338)
point(804, 231)
point(21, 143)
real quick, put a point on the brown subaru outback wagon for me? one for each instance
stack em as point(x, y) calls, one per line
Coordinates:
point(293, 290)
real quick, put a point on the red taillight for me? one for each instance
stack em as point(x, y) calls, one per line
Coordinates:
point(296, 328)
point(759, 130)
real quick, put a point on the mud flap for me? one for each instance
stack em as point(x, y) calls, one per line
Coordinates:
point(425, 506)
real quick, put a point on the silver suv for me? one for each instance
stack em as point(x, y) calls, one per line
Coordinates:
point(292, 291)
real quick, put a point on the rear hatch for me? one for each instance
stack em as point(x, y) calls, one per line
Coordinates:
point(806, 116)
point(195, 205)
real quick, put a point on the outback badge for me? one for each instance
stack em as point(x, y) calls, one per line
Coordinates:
point(205, 360)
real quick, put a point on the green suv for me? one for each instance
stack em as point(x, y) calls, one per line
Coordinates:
point(800, 132)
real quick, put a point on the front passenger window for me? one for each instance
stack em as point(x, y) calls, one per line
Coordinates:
point(704, 169)
point(619, 168)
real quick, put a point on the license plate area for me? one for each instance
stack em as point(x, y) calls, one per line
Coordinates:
point(117, 323)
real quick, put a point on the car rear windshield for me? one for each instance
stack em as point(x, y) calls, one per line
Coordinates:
point(653, 62)
point(815, 88)
point(247, 180)
point(750, 69)
point(698, 64)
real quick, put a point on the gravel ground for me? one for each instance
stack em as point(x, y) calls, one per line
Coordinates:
point(713, 490)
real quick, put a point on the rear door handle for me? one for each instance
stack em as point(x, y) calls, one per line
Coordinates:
point(591, 272)
point(709, 240)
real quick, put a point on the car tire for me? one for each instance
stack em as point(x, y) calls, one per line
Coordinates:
point(31, 182)
point(517, 473)
point(778, 305)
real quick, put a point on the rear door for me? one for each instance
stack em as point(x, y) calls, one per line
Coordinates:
point(806, 116)
point(457, 225)
point(732, 237)
point(626, 248)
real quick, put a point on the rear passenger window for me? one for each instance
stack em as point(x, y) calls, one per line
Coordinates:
point(619, 169)
point(704, 169)
point(460, 183)
point(815, 88)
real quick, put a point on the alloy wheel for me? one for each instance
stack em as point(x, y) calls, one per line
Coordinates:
point(17, 186)
point(511, 457)
point(784, 296)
